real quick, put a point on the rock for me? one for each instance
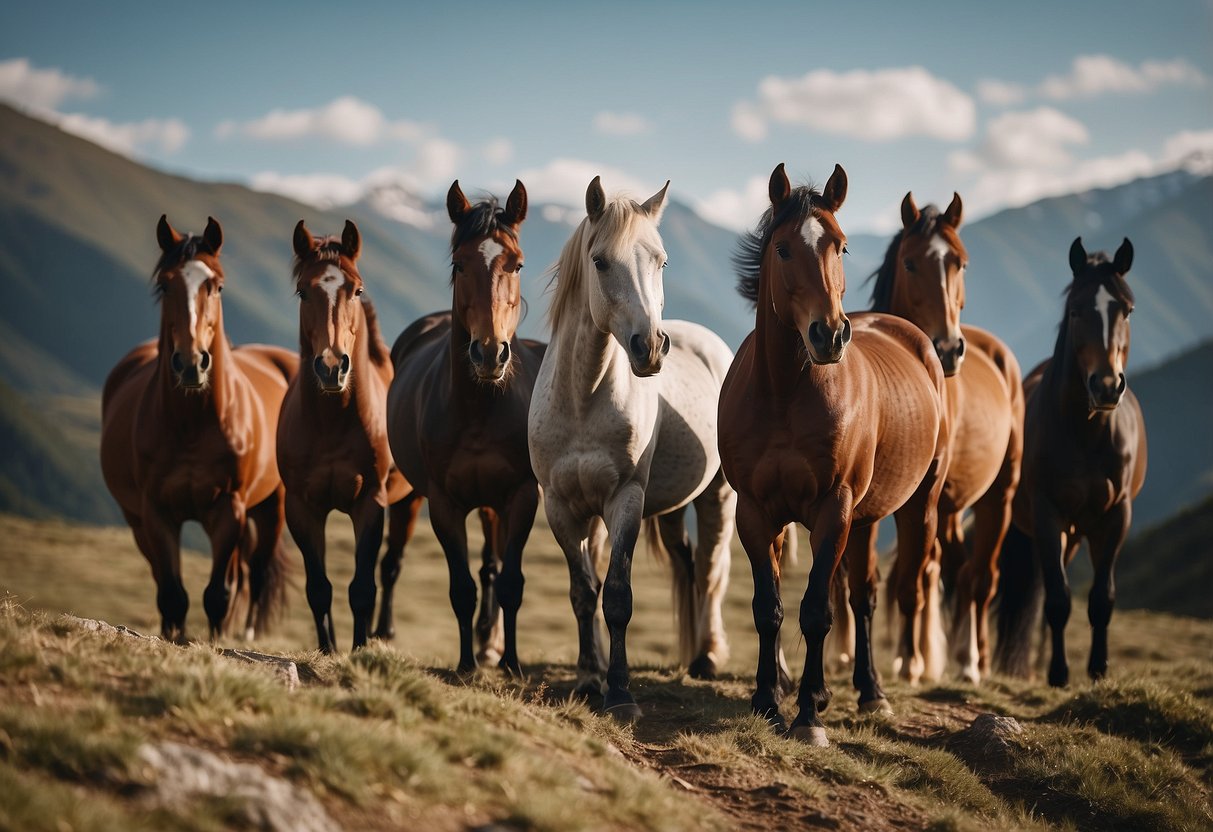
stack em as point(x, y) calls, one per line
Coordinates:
point(285, 669)
point(92, 625)
point(990, 741)
point(181, 774)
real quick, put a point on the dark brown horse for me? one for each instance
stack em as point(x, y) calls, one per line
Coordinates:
point(1084, 462)
point(332, 435)
point(457, 415)
point(922, 280)
point(188, 434)
point(827, 421)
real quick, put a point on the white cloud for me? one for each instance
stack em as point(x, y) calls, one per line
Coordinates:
point(565, 181)
point(1035, 138)
point(737, 210)
point(346, 120)
point(879, 105)
point(621, 124)
point(1000, 93)
point(41, 89)
point(167, 135)
point(323, 190)
point(1186, 144)
point(498, 151)
point(1092, 75)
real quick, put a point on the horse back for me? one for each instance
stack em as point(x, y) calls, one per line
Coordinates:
point(421, 331)
point(120, 400)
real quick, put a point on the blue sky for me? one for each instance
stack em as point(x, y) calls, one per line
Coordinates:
point(1004, 104)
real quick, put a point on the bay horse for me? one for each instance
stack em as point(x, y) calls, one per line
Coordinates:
point(922, 279)
point(622, 428)
point(829, 421)
point(457, 417)
point(187, 434)
point(1084, 462)
point(332, 435)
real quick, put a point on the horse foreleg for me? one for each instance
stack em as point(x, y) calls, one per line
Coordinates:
point(450, 526)
point(763, 543)
point(368, 518)
point(1105, 549)
point(518, 517)
point(402, 521)
point(572, 533)
point(917, 523)
point(160, 541)
point(623, 515)
point(828, 539)
point(489, 618)
point(862, 577)
point(715, 510)
point(307, 528)
point(225, 525)
point(1048, 541)
point(991, 520)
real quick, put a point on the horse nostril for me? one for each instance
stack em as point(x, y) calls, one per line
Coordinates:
point(205, 362)
point(476, 352)
point(345, 363)
point(960, 348)
point(846, 331)
point(665, 343)
point(1093, 384)
point(176, 363)
point(318, 365)
point(639, 350)
point(503, 352)
point(1121, 385)
point(815, 336)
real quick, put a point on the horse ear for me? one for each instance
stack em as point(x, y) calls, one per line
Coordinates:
point(456, 203)
point(515, 205)
point(955, 211)
point(1124, 257)
point(835, 191)
point(1078, 256)
point(779, 187)
point(909, 211)
point(351, 240)
point(166, 235)
point(213, 235)
point(303, 240)
point(595, 198)
point(654, 206)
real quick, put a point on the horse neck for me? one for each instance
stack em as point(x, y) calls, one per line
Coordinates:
point(217, 400)
point(586, 357)
point(778, 347)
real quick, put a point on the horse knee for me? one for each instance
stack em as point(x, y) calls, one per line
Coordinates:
point(815, 619)
point(617, 603)
point(463, 596)
point(1057, 610)
point(509, 586)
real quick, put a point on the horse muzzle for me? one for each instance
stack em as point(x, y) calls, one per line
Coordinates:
point(826, 345)
point(951, 352)
point(646, 355)
point(1105, 392)
point(489, 362)
point(193, 375)
point(334, 378)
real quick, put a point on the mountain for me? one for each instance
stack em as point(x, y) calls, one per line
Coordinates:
point(1168, 567)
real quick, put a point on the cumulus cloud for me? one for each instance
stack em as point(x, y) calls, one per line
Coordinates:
point(346, 120)
point(323, 190)
point(736, 210)
point(498, 151)
point(1092, 75)
point(28, 87)
point(879, 105)
point(1000, 93)
point(1191, 148)
point(621, 124)
point(564, 181)
point(166, 135)
point(1036, 138)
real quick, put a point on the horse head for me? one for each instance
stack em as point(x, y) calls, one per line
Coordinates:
point(1098, 304)
point(188, 280)
point(802, 261)
point(486, 265)
point(623, 258)
point(330, 290)
point(928, 286)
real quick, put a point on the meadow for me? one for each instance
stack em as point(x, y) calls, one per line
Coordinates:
point(391, 738)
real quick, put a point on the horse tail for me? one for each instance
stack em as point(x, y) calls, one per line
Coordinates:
point(789, 552)
point(682, 567)
point(1020, 604)
point(275, 580)
point(935, 642)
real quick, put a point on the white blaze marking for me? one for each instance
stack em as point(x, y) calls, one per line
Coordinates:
point(811, 231)
point(194, 273)
point(1102, 298)
point(490, 249)
point(332, 280)
point(939, 249)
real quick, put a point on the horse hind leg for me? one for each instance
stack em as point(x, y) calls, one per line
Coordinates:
point(402, 521)
point(489, 623)
point(268, 563)
point(859, 556)
point(715, 511)
point(1105, 549)
point(668, 540)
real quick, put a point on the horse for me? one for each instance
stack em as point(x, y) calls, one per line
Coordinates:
point(622, 429)
point(922, 279)
point(831, 421)
point(332, 435)
point(187, 434)
point(1084, 462)
point(457, 416)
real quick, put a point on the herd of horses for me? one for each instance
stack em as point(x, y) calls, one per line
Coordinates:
point(623, 421)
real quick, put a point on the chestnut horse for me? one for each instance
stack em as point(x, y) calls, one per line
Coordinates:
point(187, 434)
point(332, 435)
point(623, 428)
point(827, 421)
point(457, 416)
point(1084, 462)
point(922, 280)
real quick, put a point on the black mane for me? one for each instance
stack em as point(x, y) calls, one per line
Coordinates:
point(882, 290)
point(186, 250)
point(747, 259)
point(481, 220)
point(327, 250)
point(1098, 272)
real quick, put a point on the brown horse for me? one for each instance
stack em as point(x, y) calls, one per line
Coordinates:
point(457, 415)
point(1084, 462)
point(922, 280)
point(830, 422)
point(187, 434)
point(332, 435)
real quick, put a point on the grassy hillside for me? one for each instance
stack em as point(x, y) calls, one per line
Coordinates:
point(1170, 566)
point(389, 738)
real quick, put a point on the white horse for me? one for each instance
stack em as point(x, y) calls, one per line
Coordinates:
point(623, 427)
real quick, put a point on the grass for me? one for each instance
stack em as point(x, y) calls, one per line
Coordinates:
point(390, 737)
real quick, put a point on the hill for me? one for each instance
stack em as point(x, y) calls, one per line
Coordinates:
point(1169, 567)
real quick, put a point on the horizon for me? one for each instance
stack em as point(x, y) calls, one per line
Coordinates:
point(932, 103)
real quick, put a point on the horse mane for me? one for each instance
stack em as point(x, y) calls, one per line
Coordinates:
point(327, 250)
point(187, 249)
point(882, 290)
point(617, 222)
point(1099, 272)
point(747, 259)
point(331, 250)
point(481, 220)
point(375, 344)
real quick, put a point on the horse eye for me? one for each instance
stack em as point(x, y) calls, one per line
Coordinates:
point(909, 264)
point(458, 268)
point(600, 263)
point(845, 250)
point(520, 265)
point(301, 294)
point(219, 288)
point(782, 250)
point(358, 292)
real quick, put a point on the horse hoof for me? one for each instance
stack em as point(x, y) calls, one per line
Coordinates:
point(385, 634)
point(512, 669)
point(812, 735)
point(702, 668)
point(971, 676)
point(627, 713)
point(876, 706)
